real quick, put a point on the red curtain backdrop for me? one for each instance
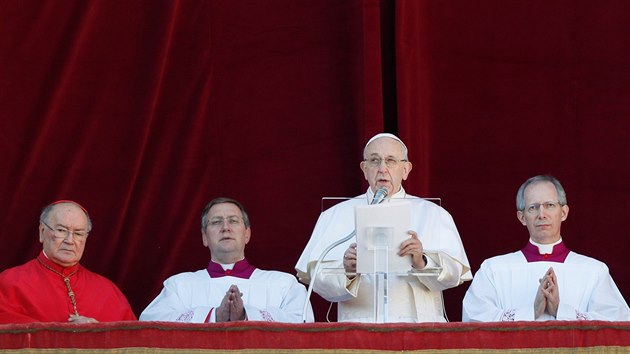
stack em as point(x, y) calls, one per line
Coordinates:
point(143, 111)
point(499, 91)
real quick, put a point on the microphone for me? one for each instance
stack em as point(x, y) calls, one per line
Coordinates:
point(379, 196)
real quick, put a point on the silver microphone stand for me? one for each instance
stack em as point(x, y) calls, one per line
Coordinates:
point(316, 269)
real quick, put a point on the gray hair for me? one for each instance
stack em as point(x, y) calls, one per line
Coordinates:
point(43, 217)
point(520, 195)
point(221, 200)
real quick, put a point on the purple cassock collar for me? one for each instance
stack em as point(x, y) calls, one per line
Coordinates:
point(241, 269)
point(532, 254)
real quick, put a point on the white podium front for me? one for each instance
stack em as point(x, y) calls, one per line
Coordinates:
point(380, 231)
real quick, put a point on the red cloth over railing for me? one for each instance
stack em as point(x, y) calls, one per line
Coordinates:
point(598, 335)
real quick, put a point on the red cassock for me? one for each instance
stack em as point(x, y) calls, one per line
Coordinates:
point(34, 293)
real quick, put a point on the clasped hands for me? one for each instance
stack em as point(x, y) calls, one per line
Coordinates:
point(547, 296)
point(78, 319)
point(231, 308)
point(410, 247)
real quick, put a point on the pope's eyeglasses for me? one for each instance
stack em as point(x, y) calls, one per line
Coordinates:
point(390, 162)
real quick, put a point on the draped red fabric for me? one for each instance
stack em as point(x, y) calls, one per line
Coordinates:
point(143, 111)
point(256, 337)
point(499, 91)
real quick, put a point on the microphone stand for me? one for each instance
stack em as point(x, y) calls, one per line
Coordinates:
point(379, 196)
point(316, 269)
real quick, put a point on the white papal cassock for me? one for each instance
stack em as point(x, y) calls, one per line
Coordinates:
point(411, 298)
point(193, 296)
point(505, 287)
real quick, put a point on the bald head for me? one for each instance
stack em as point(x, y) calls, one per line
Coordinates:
point(61, 203)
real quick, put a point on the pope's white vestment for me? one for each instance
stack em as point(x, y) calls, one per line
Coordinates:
point(194, 296)
point(411, 298)
point(505, 287)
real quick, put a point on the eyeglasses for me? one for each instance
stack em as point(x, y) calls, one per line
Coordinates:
point(232, 220)
point(548, 206)
point(62, 232)
point(390, 162)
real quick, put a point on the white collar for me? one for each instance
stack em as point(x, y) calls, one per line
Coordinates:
point(545, 249)
point(227, 266)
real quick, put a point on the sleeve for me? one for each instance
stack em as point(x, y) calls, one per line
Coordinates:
point(12, 304)
point(10, 313)
point(7, 316)
point(449, 276)
point(332, 225)
point(334, 285)
point(442, 246)
point(114, 307)
point(604, 304)
point(482, 303)
point(168, 306)
point(291, 305)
